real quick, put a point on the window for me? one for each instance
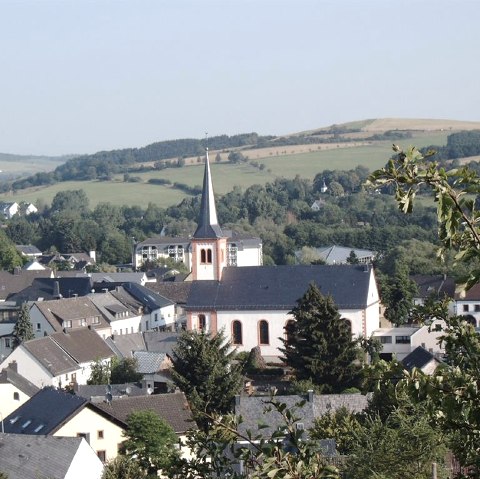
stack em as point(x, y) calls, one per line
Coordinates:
point(465, 307)
point(263, 332)
point(39, 327)
point(100, 435)
point(402, 339)
point(83, 322)
point(39, 428)
point(477, 308)
point(26, 423)
point(96, 320)
point(385, 339)
point(206, 256)
point(209, 256)
point(156, 316)
point(102, 455)
point(67, 324)
point(237, 332)
point(16, 396)
point(202, 322)
point(8, 343)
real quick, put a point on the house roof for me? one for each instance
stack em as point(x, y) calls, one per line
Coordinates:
point(48, 288)
point(110, 306)
point(176, 292)
point(50, 355)
point(160, 341)
point(118, 277)
point(437, 285)
point(149, 362)
point(84, 345)
point(279, 287)
point(19, 280)
point(173, 408)
point(67, 309)
point(207, 222)
point(418, 358)
point(125, 344)
point(97, 392)
point(165, 241)
point(147, 297)
point(473, 294)
point(9, 375)
point(28, 249)
point(25, 456)
point(338, 254)
point(44, 413)
point(254, 410)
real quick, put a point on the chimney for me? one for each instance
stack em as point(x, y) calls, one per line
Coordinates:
point(13, 366)
point(237, 400)
point(93, 255)
point(310, 395)
point(56, 290)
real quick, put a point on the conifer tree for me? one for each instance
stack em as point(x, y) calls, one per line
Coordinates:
point(203, 370)
point(319, 345)
point(23, 329)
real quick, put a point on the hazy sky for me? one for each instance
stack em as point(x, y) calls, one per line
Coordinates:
point(78, 76)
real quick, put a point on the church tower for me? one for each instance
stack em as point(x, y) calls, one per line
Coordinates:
point(209, 246)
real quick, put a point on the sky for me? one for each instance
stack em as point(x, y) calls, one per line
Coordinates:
point(80, 76)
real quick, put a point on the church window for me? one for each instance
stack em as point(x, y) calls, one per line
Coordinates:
point(202, 322)
point(203, 256)
point(237, 332)
point(209, 256)
point(263, 332)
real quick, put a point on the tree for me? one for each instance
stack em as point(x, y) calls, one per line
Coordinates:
point(203, 370)
point(9, 257)
point(23, 329)
point(398, 291)
point(150, 441)
point(353, 258)
point(124, 371)
point(450, 397)
point(100, 372)
point(318, 344)
point(123, 467)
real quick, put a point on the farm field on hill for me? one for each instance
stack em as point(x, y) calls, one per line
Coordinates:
point(226, 176)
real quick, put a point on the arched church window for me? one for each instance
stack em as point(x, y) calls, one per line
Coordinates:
point(263, 333)
point(237, 336)
point(203, 256)
point(202, 322)
point(209, 256)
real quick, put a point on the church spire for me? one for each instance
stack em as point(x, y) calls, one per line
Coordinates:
point(207, 222)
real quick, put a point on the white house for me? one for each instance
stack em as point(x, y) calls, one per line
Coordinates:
point(60, 359)
point(401, 341)
point(9, 210)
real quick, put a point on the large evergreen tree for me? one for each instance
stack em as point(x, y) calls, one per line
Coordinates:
point(23, 329)
point(203, 370)
point(319, 345)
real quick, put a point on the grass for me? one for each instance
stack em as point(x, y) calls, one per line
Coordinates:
point(226, 176)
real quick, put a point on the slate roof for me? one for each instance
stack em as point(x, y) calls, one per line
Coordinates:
point(148, 298)
point(165, 240)
point(109, 305)
point(31, 456)
point(149, 362)
point(118, 277)
point(153, 341)
point(279, 287)
point(49, 408)
point(436, 285)
point(253, 409)
point(9, 375)
point(19, 280)
point(176, 292)
point(97, 392)
point(338, 254)
point(28, 249)
point(68, 309)
point(173, 408)
point(50, 355)
point(160, 341)
point(124, 344)
point(83, 345)
point(46, 289)
point(418, 358)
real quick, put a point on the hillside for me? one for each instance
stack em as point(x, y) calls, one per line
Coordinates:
point(126, 176)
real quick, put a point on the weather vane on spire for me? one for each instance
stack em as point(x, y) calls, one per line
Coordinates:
point(206, 140)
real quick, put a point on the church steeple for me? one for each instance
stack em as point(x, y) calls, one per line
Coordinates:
point(208, 227)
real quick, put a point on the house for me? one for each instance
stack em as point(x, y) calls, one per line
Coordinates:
point(14, 390)
point(242, 250)
point(421, 359)
point(12, 283)
point(54, 412)
point(96, 393)
point(317, 205)
point(437, 286)
point(100, 279)
point(25, 456)
point(340, 254)
point(68, 314)
point(9, 210)
point(29, 251)
point(33, 265)
point(29, 208)
point(8, 317)
point(172, 407)
point(467, 304)
point(154, 368)
point(60, 359)
point(401, 341)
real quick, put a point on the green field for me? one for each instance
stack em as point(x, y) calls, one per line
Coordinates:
point(225, 176)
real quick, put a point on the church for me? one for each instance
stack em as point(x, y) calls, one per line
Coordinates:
point(251, 304)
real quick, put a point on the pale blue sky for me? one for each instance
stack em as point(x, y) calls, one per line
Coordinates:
point(78, 76)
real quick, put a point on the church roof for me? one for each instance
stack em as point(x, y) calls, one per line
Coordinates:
point(279, 287)
point(207, 223)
